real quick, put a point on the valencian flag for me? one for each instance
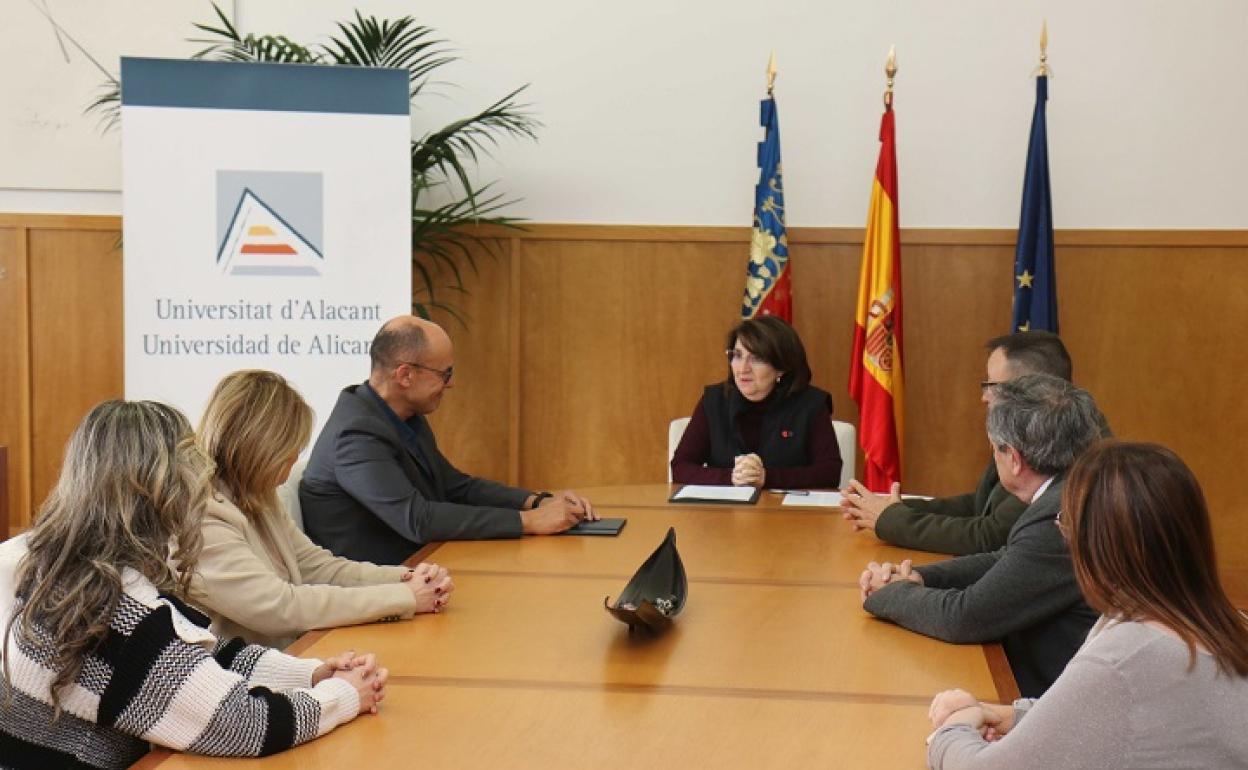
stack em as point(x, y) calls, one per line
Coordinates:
point(767, 284)
point(875, 376)
point(1035, 281)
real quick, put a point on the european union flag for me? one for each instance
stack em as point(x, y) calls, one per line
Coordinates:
point(767, 284)
point(1035, 279)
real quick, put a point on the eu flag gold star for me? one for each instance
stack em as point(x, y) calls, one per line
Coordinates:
point(1025, 327)
point(1024, 280)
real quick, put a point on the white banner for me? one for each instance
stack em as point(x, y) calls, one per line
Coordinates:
point(266, 224)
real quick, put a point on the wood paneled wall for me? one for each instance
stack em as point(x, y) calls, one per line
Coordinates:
point(61, 312)
point(584, 341)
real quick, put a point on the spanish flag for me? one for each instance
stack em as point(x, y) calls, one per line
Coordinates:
point(875, 376)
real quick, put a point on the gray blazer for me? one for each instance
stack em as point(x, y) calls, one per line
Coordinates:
point(1024, 594)
point(374, 491)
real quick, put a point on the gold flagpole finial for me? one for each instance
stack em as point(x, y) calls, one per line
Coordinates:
point(771, 73)
point(890, 71)
point(1044, 48)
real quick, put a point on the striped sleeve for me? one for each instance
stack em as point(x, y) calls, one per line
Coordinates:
point(265, 666)
point(174, 693)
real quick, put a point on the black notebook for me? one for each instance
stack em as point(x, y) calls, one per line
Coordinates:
point(600, 527)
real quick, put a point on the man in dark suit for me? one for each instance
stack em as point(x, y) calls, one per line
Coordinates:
point(975, 522)
point(376, 487)
point(1025, 593)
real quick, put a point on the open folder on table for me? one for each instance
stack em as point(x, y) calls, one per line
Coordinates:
point(707, 493)
point(812, 498)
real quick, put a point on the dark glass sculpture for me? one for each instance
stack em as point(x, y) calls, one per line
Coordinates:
point(657, 592)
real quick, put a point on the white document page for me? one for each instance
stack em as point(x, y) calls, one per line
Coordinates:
point(815, 499)
point(710, 492)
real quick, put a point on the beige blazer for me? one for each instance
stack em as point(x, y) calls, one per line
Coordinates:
point(267, 600)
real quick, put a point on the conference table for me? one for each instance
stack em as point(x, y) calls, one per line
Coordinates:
point(772, 663)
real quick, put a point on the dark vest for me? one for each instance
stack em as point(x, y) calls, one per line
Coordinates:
point(784, 441)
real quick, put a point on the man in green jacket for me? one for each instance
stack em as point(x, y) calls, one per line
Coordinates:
point(972, 523)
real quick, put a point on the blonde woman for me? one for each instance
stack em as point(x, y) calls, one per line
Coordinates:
point(259, 576)
point(101, 656)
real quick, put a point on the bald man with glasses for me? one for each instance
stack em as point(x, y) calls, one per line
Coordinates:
point(376, 487)
point(980, 521)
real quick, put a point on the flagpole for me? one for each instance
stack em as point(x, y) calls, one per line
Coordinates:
point(771, 73)
point(1043, 69)
point(890, 72)
point(1043, 48)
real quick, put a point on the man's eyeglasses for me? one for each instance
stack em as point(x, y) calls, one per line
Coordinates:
point(446, 374)
point(737, 355)
point(986, 385)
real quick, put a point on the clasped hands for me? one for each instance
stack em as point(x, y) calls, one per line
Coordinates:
point(959, 707)
point(430, 585)
point(863, 507)
point(361, 672)
point(748, 471)
point(877, 575)
point(556, 513)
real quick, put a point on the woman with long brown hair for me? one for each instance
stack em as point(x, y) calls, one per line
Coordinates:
point(1162, 681)
point(260, 576)
point(102, 656)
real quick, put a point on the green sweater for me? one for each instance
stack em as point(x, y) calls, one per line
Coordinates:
point(974, 523)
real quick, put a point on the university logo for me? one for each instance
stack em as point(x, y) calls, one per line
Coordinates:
point(270, 223)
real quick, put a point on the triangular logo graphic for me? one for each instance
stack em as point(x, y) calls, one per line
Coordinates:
point(259, 242)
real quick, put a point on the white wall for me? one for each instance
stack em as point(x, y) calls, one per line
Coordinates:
point(651, 106)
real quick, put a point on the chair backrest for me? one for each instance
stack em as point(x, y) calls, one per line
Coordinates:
point(288, 494)
point(847, 440)
point(674, 433)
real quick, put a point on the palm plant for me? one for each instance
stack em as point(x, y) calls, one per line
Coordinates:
point(445, 199)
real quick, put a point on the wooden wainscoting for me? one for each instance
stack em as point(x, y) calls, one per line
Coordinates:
point(61, 311)
point(583, 341)
point(613, 331)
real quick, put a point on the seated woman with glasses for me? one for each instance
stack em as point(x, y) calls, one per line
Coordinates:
point(765, 424)
point(1162, 680)
point(102, 656)
point(260, 577)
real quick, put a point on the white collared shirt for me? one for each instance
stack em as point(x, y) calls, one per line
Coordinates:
point(1040, 491)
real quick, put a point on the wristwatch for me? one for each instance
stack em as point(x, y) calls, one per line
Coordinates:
point(538, 498)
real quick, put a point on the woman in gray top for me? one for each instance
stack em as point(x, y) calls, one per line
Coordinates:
point(1162, 680)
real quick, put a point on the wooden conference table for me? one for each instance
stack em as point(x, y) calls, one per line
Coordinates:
point(772, 663)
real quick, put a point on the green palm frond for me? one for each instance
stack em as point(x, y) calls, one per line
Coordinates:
point(449, 151)
point(422, 309)
point(443, 236)
point(225, 44)
point(107, 105)
point(252, 48)
point(401, 43)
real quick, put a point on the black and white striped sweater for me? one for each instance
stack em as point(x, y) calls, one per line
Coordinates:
point(159, 677)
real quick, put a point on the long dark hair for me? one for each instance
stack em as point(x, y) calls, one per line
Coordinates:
point(1142, 547)
point(777, 343)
